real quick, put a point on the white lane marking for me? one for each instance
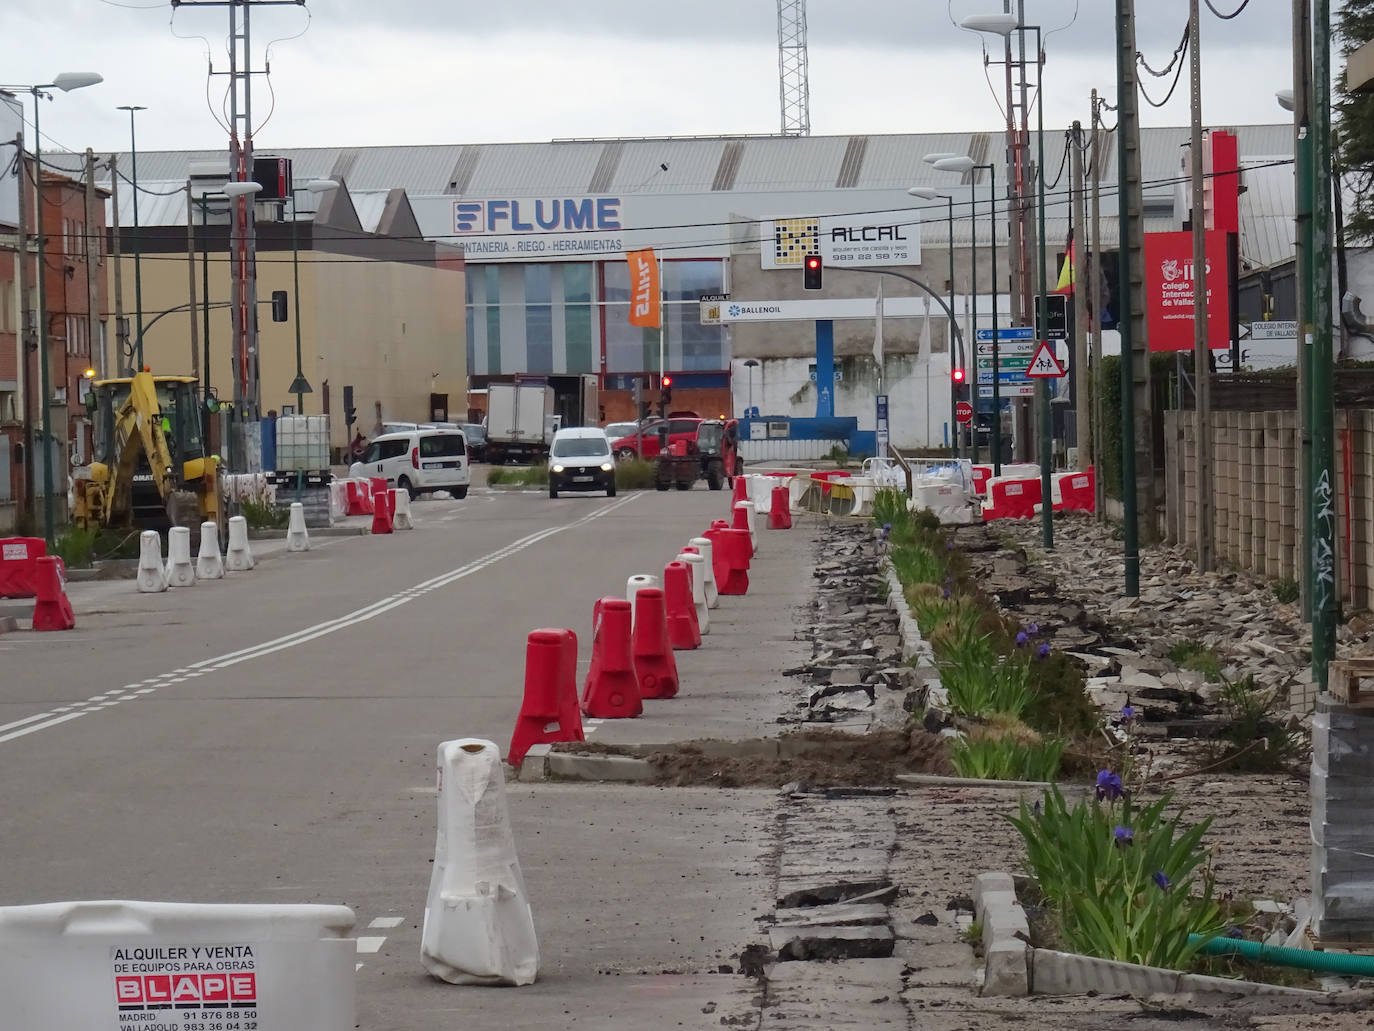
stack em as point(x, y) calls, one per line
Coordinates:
point(44, 720)
point(357, 967)
point(387, 921)
point(370, 944)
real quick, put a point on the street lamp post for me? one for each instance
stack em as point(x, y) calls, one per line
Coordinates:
point(926, 193)
point(66, 82)
point(751, 364)
point(1004, 25)
point(300, 386)
point(964, 163)
point(138, 256)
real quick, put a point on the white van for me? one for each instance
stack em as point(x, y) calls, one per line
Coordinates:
point(420, 461)
point(580, 459)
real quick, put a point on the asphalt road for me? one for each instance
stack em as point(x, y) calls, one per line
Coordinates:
point(271, 738)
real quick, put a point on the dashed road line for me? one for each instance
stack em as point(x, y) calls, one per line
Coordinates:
point(387, 922)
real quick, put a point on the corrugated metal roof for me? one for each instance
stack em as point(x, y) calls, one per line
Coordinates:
point(1267, 209)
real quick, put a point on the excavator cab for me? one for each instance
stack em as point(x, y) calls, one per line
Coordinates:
point(150, 466)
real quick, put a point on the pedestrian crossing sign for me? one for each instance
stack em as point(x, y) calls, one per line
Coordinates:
point(1043, 364)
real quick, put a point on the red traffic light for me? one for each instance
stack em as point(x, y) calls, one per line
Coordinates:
point(811, 272)
point(813, 261)
point(667, 381)
point(958, 375)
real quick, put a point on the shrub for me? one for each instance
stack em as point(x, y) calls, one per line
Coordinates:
point(917, 564)
point(992, 756)
point(518, 476)
point(889, 507)
point(1196, 656)
point(262, 515)
point(1258, 739)
point(1286, 591)
point(635, 474)
point(1121, 878)
point(76, 547)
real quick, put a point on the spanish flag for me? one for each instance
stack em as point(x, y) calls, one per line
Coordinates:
point(1067, 273)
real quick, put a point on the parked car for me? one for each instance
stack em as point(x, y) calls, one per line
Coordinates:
point(651, 442)
point(477, 441)
point(418, 461)
point(398, 427)
point(580, 459)
point(616, 430)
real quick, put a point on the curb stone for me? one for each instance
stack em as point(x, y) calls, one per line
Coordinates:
point(1006, 954)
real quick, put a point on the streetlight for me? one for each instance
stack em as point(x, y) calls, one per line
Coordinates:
point(926, 193)
point(751, 364)
point(299, 386)
point(138, 256)
point(963, 163)
point(66, 82)
point(1004, 25)
point(229, 191)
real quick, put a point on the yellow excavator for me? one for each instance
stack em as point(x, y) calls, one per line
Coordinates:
point(150, 467)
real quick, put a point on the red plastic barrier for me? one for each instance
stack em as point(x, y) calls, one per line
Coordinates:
point(981, 475)
point(612, 689)
point(683, 630)
point(549, 711)
point(52, 610)
point(357, 498)
point(736, 548)
point(19, 566)
point(655, 666)
point(1077, 490)
point(1012, 499)
point(720, 563)
point(826, 477)
point(780, 512)
point(381, 513)
point(740, 491)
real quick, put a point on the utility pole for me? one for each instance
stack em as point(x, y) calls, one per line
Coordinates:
point(1202, 387)
point(1093, 276)
point(1302, 245)
point(26, 378)
point(1016, 242)
point(1083, 372)
point(1137, 458)
point(91, 250)
point(191, 279)
point(121, 325)
point(1325, 595)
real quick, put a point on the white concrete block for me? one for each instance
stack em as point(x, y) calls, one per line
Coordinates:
point(478, 927)
point(297, 537)
point(1006, 968)
point(209, 565)
point(401, 518)
point(152, 575)
point(703, 547)
point(697, 564)
point(180, 571)
point(987, 882)
point(239, 558)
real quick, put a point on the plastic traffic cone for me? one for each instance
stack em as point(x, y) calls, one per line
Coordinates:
point(737, 548)
point(683, 630)
point(780, 514)
point(740, 492)
point(51, 610)
point(381, 513)
point(549, 710)
point(611, 690)
point(653, 650)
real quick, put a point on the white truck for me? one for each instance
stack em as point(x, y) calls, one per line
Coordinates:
point(520, 421)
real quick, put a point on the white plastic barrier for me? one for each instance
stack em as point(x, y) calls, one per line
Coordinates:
point(297, 537)
point(180, 572)
point(865, 489)
point(712, 591)
point(338, 500)
point(697, 564)
point(239, 558)
point(885, 472)
point(478, 926)
point(152, 575)
point(950, 502)
point(175, 966)
point(760, 490)
point(401, 518)
point(637, 583)
point(752, 517)
point(209, 565)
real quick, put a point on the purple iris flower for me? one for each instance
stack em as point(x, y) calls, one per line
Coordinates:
point(1162, 879)
point(1234, 932)
point(1109, 786)
point(1127, 713)
point(1021, 639)
point(1124, 835)
point(1044, 650)
point(1033, 629)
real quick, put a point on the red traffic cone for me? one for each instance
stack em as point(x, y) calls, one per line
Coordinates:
point(683, 630)
point(52, 610)
point(381, 513)
point(549, 711)
point(741, 491)
point(611, 690)
point(780, 514)
point(737, 548)
point(653, 650)
point(357, 495)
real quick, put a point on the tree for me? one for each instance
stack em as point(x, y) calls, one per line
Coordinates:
point(1354, 144)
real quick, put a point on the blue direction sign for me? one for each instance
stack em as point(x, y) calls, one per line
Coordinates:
point(984, 336)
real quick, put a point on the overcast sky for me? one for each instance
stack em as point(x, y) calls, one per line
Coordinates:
point(458, 71)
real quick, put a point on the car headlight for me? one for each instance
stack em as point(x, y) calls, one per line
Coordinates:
point(558, 468)
point(606, 467)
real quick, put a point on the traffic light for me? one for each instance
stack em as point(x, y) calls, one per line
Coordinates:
point(350, 413)
point(811, 272)
point(667, 389)
point(957, 374)
point(279, 306)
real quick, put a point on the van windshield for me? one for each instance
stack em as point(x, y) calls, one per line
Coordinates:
point(580, 447)
point(445, 445)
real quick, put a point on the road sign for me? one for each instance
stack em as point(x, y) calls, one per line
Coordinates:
point(1022, 388)
point(1285, 329)
point(1006, 347)
point(963, 412)
point(984, 336)
point(1057, 308)
point(1044, 365)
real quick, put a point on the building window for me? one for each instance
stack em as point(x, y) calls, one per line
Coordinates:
point(691, 346)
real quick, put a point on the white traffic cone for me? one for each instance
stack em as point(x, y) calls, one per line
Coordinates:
point(152, 576)
point(180, 572)
point(240, 557)
point(400, 510)
point(478, 926)
point(297, 539)
point(209, 566)
point(697, 564)
point(712, 592)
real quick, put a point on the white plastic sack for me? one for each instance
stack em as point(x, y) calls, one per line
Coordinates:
point(478, 927)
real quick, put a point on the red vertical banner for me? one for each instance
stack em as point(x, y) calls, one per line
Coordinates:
point(1169, 291)
point(1223, 166)
point(644, 289)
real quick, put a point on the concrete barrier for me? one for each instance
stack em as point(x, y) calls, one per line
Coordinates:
point(209, 565)
point(239, 558)
point(401, 518)
point(152, 574)
point(180, 571)
point(478, 926)
point(67, 965)
point(706, 550)
point(297, 537)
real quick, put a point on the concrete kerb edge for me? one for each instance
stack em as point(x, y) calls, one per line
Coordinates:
point(1006, 952)
point(914, 646)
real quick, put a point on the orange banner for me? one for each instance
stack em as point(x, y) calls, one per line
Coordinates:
point(644, 291)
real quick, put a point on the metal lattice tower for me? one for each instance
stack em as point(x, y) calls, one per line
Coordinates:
point(793, 91)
